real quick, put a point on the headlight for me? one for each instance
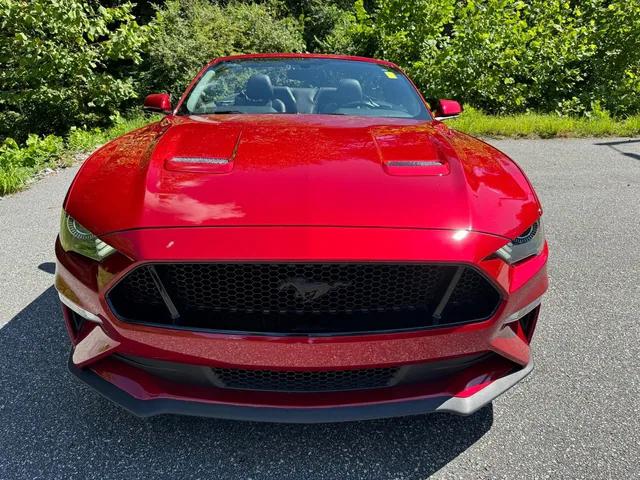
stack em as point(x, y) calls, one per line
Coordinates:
point(75, 238)
point(528, 244)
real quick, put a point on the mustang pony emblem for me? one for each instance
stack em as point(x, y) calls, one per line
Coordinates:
point(310, 291)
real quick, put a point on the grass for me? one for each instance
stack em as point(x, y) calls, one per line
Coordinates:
point(536, 125)
point(19, 164)
point(83, 140)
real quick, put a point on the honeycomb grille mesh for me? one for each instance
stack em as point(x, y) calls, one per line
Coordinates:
point(141, 289)
point(468, 292)
point(300, 288)
point(305, 381)
point(303, 297)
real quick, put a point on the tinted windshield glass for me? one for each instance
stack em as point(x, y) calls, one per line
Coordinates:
point(305, 86)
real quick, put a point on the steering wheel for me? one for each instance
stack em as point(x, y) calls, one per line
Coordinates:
point(203, 106)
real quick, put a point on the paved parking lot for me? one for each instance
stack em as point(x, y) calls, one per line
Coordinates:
point(576, 416)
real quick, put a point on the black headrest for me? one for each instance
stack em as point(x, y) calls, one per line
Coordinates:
point(349, 90)
point(286, 95)
point(259, 87)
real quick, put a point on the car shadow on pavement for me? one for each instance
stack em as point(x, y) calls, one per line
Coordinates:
point(52, 426)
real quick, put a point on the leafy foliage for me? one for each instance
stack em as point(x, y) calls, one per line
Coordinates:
point(317, 17)
point(85, 140)
point(186, 34)
point(507, 55)
point(64, 62)
point(612, 79)
point(18, 164)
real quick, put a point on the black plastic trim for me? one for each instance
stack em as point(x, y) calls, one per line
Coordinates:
point(149, 408)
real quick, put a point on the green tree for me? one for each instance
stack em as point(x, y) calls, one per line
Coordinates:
point(186, 34)
point(506, 55)
point(64, 62)
point(510, 55)
point(612, 74)
point(318, 17)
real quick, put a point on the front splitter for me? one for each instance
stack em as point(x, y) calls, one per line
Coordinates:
point(160, 406)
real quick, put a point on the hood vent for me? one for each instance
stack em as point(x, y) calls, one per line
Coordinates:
point(409, 151)
point(414, 163)
point(415, 167)
point(199, 164)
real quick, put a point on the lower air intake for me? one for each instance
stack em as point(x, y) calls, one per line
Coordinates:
point(306, 381)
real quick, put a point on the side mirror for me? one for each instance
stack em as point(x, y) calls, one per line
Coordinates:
point(447, 109)
point(158, 102)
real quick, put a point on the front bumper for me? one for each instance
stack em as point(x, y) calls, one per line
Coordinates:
point(328, 414)
point(97, 344)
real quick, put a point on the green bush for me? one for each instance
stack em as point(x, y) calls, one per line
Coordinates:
point(612, 79)
point(64, 62)
point(506, 55)
point(318, 17)
point(18, 164)
point(186, 34)
point(82, 139)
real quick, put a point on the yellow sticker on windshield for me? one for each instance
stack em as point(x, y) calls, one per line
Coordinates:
point(390, 74)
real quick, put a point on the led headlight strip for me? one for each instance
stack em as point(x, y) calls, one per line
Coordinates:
point(527, 244)
point(76, 238)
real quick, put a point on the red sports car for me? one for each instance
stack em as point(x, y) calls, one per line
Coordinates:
point(300, 239)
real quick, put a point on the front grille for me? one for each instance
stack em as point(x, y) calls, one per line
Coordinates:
point(303, 298)
point(305, 381)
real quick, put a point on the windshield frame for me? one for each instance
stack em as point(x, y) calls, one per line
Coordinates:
point(180, 109)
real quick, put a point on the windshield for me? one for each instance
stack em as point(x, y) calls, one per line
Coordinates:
point(305, 86)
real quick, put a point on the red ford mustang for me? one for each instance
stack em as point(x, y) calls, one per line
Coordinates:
point(300, 240)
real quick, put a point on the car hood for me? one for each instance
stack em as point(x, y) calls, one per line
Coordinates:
point(300, 170)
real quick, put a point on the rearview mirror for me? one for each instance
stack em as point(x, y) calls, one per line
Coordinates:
point(158, 102)
point(447, 109)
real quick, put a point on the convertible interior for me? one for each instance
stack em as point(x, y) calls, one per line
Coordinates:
point(260, 95)
point(263, 96)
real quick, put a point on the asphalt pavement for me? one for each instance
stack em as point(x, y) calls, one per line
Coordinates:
point(576, 416)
